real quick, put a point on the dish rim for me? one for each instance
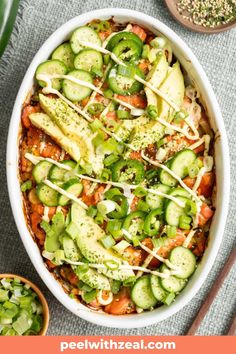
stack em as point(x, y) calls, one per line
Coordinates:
point(146, 318)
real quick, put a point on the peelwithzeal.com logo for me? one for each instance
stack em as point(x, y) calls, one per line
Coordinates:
point(111, 344)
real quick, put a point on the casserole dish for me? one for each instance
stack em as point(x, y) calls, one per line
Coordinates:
point(197, 76)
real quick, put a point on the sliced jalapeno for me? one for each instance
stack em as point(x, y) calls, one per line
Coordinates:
point(152, 223)
point(134, 224)
point(122, 211)
point(117, 38)
point(127, 50)
point(129, 171)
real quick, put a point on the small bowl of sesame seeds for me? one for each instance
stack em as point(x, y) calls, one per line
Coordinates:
point(205, 16)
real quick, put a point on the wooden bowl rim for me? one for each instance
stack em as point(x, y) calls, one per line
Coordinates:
point(41, 298)
point(171, 5)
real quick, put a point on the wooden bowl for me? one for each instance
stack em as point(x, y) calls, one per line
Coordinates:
point(171, 5)
point(40, 296)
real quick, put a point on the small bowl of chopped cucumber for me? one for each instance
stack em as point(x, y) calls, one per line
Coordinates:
point(23, 308)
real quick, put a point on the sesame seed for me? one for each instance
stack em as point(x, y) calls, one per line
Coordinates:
point(208, 13)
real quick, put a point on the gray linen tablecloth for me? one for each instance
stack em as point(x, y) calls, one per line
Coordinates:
point(36, 20)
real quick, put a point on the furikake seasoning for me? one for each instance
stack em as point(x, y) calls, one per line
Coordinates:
point(208, 13)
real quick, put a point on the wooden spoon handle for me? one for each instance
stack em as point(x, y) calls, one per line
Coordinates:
point(232, 330)
point(212, 294)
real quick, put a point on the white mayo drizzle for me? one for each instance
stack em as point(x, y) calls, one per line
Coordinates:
point(145, 264)
point(189, 238)
point(123, 103)
point(48, 89)
point(36, 159)
point(108, 186)
point(207, 140)
point(158, 92)
point(127, 234)
point(178, 129)
point(128, 28)
point(202, 171)
point(125, 267)
point(96, 89)
point(92, 188)
point(45, 214)
point(161, 194)
point(105, 111)
point(70, 78)
point(174, 175)
point(192, 126)
point(65, 193)
point(199, 178)
point(205, 168)
point(93, 95)
point(161, 259)
point(42, 146)
point(151, 254)
point(198, 143)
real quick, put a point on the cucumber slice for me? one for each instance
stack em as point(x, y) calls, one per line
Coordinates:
point(47, 195)
point(88, 59)
point(174, 211)
point(179, 165)
point(185, 260)
point(166, 178)
point(41, 171)
point(171, 284)
point(51, 67)
point(65, 54)
point(73, 186)
point(75, 92)
point(158, 291)
point(142, 295)
point(84, 34)
point(154, 201)
point(57, 174)
point(123, 85)
point(181, 161)
point(181, 192)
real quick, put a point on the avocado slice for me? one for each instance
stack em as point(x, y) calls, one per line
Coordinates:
point(152, 99)
point(74, 127)
point(173, 87)
point(127, 125)
point(155, 77)
point(146, 134)
point(158, 72)
point(44, 122)
point(93, 278)
point(71, 250)
point(88, 235)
